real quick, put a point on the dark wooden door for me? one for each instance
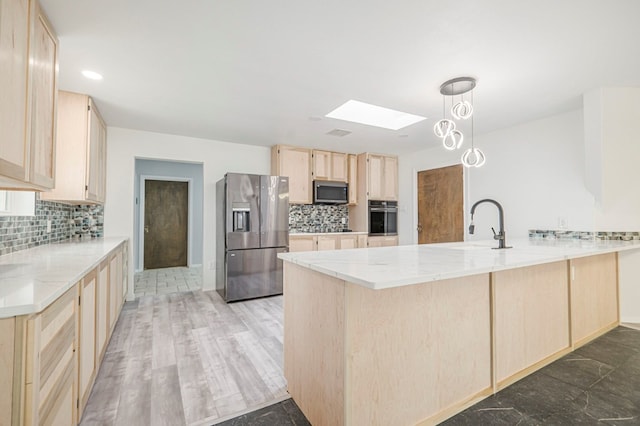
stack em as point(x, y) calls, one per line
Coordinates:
point(166, 211)
point(440, 205)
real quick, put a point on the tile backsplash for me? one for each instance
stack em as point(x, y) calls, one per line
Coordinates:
point(317, 218)
point(23, 232)
point(543, 234)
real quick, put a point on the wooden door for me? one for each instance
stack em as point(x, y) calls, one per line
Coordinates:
point(14, 37)
point(440, 205)
point(44, 90)
point(166, 212)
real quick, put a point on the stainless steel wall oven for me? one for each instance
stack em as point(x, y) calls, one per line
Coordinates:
point(383, 218)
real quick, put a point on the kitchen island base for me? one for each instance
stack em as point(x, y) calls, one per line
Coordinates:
point(419, 354)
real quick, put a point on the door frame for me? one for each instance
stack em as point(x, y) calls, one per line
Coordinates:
point(414, 197)
point(143, 180)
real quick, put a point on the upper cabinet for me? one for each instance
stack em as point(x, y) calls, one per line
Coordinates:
point(330, 166)
point(382, 177)
point(28, 83)
point(295, 163)
point(81, 152)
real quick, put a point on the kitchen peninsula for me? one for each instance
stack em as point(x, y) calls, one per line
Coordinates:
point(414, 334)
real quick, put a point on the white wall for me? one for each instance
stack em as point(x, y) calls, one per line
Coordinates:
point(535, 170)
point(124, 146)
point(613, 160)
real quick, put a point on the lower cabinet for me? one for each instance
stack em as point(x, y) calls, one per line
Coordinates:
point(594, 296)
point(50, 369)
point(87, 338)
point(49, 360)
point(299, 242)
point(387, 241)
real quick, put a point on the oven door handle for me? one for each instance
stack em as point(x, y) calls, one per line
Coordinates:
point(378, 209)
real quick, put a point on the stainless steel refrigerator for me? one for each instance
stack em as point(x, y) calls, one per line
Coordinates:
point(252, 227)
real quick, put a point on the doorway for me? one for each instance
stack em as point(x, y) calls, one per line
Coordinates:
point(166, 223)
point(441, 205)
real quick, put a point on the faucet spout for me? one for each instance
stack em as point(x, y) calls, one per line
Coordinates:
point(500, 235)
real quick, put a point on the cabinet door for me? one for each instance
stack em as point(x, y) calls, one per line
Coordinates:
point(363, 241)
point(102, 310)
point(339, 167)
point(321, 165)
point(44, 89)
point(348, 242)
point(383, 241)
point(115, 288)
point(50, 397)
point(95, 156)
point(327, 242)
point(87, 338)
point(302, 243)
point(375, 165)
point(352, 164)
point(296, 164)
point(390, 179)
point(594, 296)
point(14, 37)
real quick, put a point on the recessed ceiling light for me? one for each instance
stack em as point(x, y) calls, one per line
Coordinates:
point(372, 115)
point(92, 75)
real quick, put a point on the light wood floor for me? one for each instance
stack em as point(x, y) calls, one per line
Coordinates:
point(189, 358)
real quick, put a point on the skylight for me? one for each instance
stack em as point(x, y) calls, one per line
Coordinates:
point(373, 115)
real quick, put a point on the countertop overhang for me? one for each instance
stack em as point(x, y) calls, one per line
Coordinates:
point(32, 279)
point(389, 267)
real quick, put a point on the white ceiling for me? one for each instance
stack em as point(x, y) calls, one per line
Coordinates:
point(263, 72)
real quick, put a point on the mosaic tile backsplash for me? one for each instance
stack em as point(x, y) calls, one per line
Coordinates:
point(23, 232)
point(317, 218)
point(540, 234)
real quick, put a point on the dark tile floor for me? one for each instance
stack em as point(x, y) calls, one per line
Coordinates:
point(598, 384)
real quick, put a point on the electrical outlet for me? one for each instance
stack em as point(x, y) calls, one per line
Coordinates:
point(344, 220)
point(48, 226)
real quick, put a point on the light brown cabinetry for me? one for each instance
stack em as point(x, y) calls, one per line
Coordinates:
point(49, 360)
point(102, 310)
point(295, 163)
point(50, 392)
point(330, 166)
point(352, 165)
point(326, 242)
point(87, 338)
point(594, 296)
point(28, 83)
point(382, 177)
point(81, 152)
point(387, 241)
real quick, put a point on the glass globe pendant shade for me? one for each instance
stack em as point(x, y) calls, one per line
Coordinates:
point(473, 157)
point(443, 127)
point(453, 140)
point(462, 110)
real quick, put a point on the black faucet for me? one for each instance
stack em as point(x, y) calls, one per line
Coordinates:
point(500, 236)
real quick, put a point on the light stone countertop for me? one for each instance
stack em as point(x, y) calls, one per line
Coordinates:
point(30, 280)
point(388, 267)
point(311, 234)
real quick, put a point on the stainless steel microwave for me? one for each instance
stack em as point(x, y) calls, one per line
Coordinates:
point(327, 192)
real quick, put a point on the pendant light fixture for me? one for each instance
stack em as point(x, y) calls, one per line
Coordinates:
point(446, 129)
